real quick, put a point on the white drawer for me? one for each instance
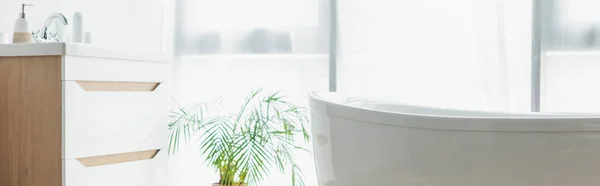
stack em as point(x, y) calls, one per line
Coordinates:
point(101, 121)
point(104, 69)
point(149, 172)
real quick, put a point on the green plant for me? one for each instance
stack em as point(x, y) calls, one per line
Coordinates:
point(244, 147)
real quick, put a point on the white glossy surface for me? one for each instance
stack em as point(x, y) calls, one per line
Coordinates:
point(79, 49)
point(365, 142)
point(137, 173)
point(113, 122)
point(104, 69)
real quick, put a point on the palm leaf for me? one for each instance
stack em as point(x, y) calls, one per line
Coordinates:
point(244, 147)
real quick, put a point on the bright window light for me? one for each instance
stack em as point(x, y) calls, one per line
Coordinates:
point(242, 14)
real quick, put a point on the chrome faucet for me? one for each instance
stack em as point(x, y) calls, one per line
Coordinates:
point(44, 35)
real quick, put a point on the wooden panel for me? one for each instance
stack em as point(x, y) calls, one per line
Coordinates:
point(111, 122)
point(117, 86)
point(117, 158)
point(152, 172)
point(30, 121)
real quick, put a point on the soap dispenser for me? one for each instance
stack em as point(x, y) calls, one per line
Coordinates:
point(22, 33)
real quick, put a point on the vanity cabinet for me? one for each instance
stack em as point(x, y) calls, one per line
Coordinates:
point(77, 115)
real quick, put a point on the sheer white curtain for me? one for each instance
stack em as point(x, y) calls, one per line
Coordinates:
point(251, 26)
point(226, 48)
point(470, 54)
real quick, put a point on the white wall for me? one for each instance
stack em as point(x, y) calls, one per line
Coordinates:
point(124, 24)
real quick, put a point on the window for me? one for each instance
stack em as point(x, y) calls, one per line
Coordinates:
point(571, 24)
point(251, 26)
point(569, 68)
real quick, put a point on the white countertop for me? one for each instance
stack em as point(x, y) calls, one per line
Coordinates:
point(78, 49)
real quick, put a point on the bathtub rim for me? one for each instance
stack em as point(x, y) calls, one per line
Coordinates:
point(524, 122)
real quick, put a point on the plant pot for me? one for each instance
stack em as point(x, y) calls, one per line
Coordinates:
point(237, 184)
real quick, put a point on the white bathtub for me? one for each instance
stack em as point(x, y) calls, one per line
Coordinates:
point(361, 142)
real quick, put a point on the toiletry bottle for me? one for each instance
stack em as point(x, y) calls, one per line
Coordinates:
point(88, 38)
point(78, 33)
point(22, 33)
point(3, 38)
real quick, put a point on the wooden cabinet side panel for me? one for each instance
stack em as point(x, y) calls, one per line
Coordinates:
point(30, 121)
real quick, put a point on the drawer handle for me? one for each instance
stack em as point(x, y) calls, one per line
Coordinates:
point(117, 86)
point(117, 158)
